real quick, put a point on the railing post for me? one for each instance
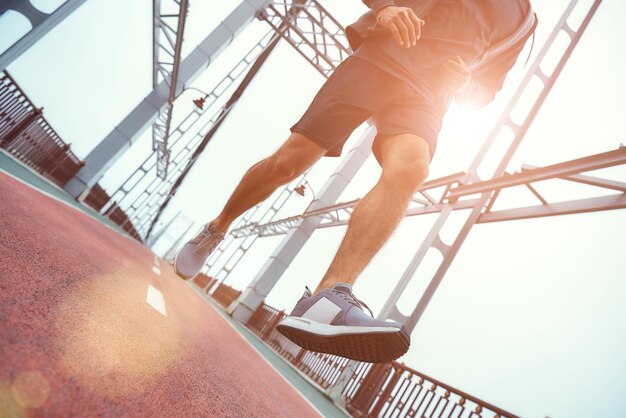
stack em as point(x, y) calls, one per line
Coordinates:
point(275, 321)
point(384, 397)
point(298, 357)
point(20, 127)
point(365, 395)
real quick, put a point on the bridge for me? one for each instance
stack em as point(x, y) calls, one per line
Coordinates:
point(94, 321)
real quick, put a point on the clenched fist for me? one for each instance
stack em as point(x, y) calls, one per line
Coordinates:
point(402, 22)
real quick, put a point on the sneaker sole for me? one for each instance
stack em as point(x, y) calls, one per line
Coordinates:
point(368, 344)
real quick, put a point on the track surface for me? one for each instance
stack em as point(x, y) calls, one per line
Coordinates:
point(83, 330)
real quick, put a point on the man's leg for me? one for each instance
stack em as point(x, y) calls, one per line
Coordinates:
point(294, 157)
point(332, 320)
point(405, 160)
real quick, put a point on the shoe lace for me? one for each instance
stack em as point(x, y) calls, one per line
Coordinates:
point(349, 297)
point(208, 238)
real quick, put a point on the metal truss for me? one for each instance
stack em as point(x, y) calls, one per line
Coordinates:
point(484, 201)
point(147, 190)
point(339, 214)
point(168, 30)
point(314, 33)
point(148, 195)
point(148, 214)
point(172, 229)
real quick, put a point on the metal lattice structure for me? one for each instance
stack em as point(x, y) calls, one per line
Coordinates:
point(314, 33)
point(319, 38)
point(168, 31)
point(143, 192)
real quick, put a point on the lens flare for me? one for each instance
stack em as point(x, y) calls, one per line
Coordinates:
point(30, 389)
point(111, 340)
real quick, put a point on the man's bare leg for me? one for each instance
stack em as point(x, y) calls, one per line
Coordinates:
point(294, 157)
point(405, 167)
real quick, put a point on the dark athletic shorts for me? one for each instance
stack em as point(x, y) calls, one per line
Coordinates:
point(358, 90)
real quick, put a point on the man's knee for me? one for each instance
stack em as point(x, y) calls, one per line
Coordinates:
point(294, 157)
point(406, 163)
point(408, 176)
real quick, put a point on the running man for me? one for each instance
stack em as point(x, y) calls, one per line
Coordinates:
point(411, 58)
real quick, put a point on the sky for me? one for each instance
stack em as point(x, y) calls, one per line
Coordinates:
point(529, 316)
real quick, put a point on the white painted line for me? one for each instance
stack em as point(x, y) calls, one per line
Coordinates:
point(156, 267)
point(156, 300)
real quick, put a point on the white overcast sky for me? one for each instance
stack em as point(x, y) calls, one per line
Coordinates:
point(530, 316)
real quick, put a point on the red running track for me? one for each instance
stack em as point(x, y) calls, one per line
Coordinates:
point(79, 338)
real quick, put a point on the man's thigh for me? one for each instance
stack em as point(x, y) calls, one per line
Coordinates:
point(354, 91)
point(412, 114)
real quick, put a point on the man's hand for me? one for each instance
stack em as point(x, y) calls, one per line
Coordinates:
point(456, 75)
point(402, 22)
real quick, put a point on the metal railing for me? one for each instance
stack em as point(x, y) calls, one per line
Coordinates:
point(27, 136)
point(225, 295)
point(374, 390)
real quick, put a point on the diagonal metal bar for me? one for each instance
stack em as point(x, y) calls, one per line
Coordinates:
point(589, 163)
point(147, 211)
point(519, 131)
point(41, 23)
point(589, 180)
point(593, 204)
point(337, 215)
point(315, 34)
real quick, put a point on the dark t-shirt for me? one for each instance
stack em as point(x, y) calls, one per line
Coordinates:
point(453, 27)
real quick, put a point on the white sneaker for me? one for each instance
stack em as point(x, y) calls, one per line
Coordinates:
point(334, 322)
point(191, 257)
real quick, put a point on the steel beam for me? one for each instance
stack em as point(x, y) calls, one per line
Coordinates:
point(41, 23)
point(593, 204)
point(449, 252)
point(168, 32)
point(143, 186)
point(315, 34)
point(590, 163)
point(146, 112)
point(589, 180)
